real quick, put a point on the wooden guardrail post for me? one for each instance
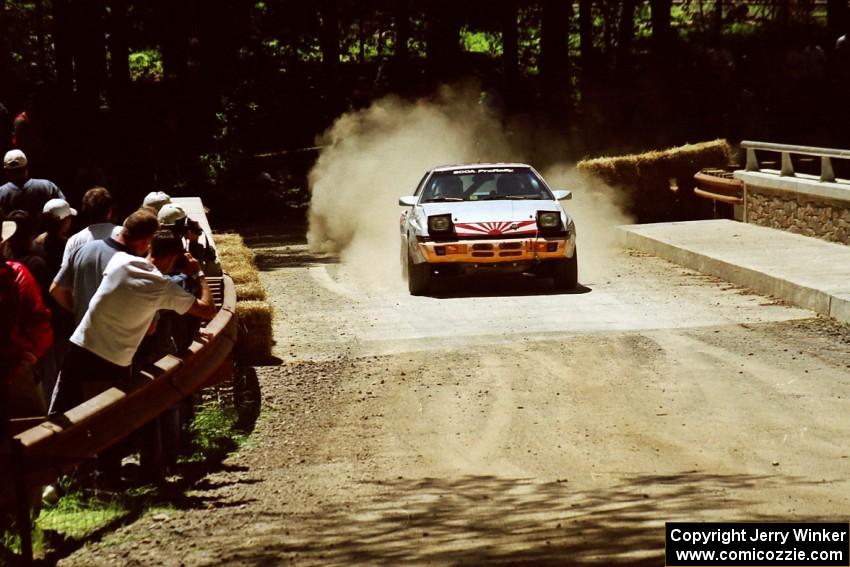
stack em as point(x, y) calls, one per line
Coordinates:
point(22, 501)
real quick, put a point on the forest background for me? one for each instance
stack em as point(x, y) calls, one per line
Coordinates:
point(228, 100)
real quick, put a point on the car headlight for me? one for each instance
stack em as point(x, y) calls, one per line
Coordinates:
point(439, 224)
point(548, 220)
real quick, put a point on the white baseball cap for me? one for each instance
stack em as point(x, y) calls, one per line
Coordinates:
point(9, 228)
point(170, 214)
point(14, 159)
point(58, 208)
point(156, 199)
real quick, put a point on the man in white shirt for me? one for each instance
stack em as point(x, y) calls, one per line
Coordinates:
point(120, 314)
point(77, 281)
point(97, 211)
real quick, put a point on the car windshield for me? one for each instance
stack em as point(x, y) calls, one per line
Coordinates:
point(484, 184)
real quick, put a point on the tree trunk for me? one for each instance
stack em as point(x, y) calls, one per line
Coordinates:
point(585, 30)
point(785, 12)
point(626, 33)
point(718, 17)
point(90, 53)
point(836, 18)
point(119, 51)
point(660, 24)
point(63, 48)
point(554, 52)
point(402, 30)
point(173, 31)
point(510, 45)
point(5, 80)
point(39, 38)
point(329, 38)
point(443, 38)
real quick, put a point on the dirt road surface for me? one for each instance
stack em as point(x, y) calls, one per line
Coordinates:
point(502, 423)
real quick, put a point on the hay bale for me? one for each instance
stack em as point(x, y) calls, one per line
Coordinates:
point(675, 162)
point(254, 345)
point(250, 291)
point(237, 259)
point(647, 179)
point(242, 272)
point(227, 239)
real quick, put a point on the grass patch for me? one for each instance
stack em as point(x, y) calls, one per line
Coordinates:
point(83, 513)
point(79, 513)
point(214, 432)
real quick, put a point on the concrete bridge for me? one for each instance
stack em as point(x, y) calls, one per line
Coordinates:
point(793, 241)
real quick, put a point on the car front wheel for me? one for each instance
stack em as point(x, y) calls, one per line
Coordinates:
point(418, 277)
point(566, 272)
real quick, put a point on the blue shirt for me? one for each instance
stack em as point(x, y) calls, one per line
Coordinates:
point(30, 198)
point(84, 272)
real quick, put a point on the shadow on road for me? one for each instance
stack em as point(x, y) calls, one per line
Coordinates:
point(497, 285)
point(478, 520)
point(286, 250)
point(275, 259)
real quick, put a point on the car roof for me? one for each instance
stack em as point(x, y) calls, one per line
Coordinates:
point(443, 168)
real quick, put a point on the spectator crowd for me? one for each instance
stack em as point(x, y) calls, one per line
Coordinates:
point(84, 302)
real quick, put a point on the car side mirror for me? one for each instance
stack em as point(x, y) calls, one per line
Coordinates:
point(408, 201)
point(563, 195)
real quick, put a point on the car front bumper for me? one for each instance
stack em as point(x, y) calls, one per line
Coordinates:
point(539, 248)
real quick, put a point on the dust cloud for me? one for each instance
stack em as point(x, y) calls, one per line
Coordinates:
point(376, 155)
point(596, 210)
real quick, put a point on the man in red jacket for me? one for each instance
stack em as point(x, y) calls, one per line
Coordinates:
point(25, 335)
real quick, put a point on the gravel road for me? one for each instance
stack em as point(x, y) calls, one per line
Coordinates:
point(497, 422)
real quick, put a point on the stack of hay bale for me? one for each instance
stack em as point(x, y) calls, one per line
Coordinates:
point(659, 184)
point(253, 311)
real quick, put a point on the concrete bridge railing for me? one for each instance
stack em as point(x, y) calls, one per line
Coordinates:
point(802, 195)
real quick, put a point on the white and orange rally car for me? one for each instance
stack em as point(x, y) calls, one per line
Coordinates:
point(475, 217)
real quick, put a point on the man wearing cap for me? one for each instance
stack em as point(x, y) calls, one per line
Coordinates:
point(22, 192)
point(57, 216)
point(156, 200)
point(97, 212)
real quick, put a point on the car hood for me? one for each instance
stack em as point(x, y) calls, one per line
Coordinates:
point(490, 211)
point(494, 218)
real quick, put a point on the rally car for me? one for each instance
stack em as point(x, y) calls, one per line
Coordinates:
point(477, 217)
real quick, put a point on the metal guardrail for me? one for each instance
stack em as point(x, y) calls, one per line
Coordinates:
point(826, 155)
point(42, 453)
point(719, 185)
point(41, 450)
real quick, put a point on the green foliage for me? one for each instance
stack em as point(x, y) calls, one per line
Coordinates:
point(213, 431)
point(529, 39)
point(78, 514)
point(146, 65)
point(477, 41)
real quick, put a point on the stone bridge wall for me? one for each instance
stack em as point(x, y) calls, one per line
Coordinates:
point(799, 204)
